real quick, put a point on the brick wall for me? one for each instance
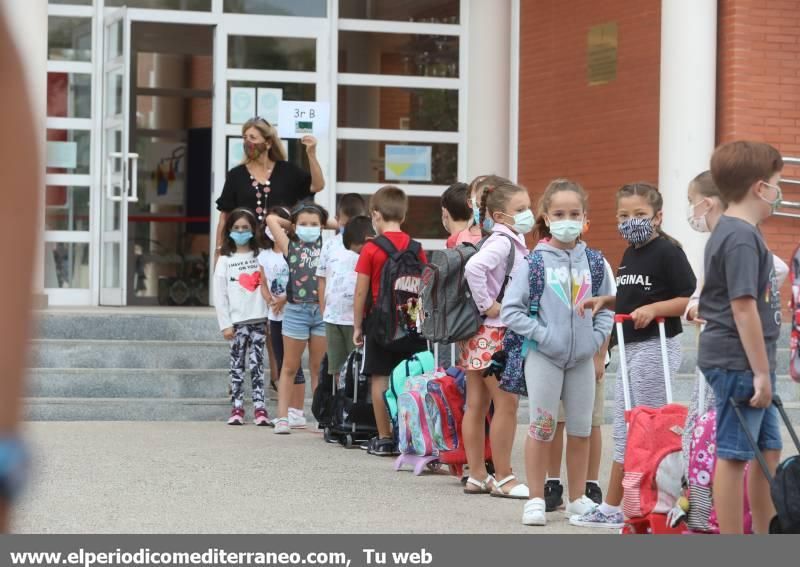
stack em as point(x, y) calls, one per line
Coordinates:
point(601, 136)
point(759, 91)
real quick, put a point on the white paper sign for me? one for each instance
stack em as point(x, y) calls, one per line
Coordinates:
point(243, 104)
point(63, 155)
point(299, 118)
point(269, 104)
point(408, 163)
point(235, 152)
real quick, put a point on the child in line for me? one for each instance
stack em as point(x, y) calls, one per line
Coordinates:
point(275, 278)
point(654, 280)
point(302, 320)
point(741, 303)
point(457, 217)
point(336, 278)
point(388, 208)
point(705, 209)
point(561, 366)
point(242, 311)
point(506, 211)
point(553, 488)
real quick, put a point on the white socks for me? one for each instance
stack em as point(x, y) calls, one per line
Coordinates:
point(608, 509)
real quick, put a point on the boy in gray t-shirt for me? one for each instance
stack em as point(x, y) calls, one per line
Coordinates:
point(741, 303)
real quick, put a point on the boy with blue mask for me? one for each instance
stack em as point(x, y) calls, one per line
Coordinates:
point(335, 291)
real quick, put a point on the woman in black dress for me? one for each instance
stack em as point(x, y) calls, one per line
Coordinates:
point(265, 179)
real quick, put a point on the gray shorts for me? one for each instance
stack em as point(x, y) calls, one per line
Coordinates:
point(548, 385)
point(340, 345)
point(599, 408)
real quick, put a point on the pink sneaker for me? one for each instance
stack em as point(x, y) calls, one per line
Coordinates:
point(237, 417)
point(260, 417)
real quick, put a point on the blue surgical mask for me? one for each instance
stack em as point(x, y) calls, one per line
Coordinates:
point(523, 222)
point(308, 234)
point(476, 214)
point(241, 238)
point(566, 231)
point(488, 224)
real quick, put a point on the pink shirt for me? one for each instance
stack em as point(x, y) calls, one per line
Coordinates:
point(471, 234)
point(486, 270)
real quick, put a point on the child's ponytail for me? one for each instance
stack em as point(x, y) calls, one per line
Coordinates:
point(492, 191)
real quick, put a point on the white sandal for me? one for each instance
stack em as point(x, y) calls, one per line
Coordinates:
point(483, 486)
point(519, 492)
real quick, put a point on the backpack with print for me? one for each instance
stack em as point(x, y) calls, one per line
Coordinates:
point(447, 397)
point(794, 356)
point(449, 313)
point(515, 345)
point(419, 426)
point(393, 319)
point(416, 365)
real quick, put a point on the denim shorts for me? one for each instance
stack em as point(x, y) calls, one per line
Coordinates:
point(732, 443)
point(301, 320)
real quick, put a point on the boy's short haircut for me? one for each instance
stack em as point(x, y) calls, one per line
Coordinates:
point(351, 205)
point(454, 201)
point(735, 166)
point(391, 202)
point(356, 231)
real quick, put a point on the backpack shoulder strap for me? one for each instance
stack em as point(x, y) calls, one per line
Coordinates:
point(385, 244)
point(597, 269)
point(512, 256)
point(415, 247)
point(535, 279)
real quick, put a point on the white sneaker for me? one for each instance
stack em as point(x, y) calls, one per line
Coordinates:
point(296, 419)
point(579, 507)
point(282, 426)
point(533, 514)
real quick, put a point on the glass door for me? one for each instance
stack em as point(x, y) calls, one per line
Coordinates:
point(119, 165)
point(260, 61)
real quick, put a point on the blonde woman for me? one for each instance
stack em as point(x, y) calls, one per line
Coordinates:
point(265, 179)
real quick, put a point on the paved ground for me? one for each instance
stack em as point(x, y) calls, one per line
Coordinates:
point(145, 477)
point(140, 477)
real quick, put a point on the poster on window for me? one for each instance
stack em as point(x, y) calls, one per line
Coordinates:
point(162, 168)
point(243, 104)
point(269, 104)
point(407, 163)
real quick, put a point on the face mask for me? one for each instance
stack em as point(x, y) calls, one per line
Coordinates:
point(636, 231)
point(268, 233)
point(241, 238)
point(308, 233)
point(523, 222)
point(476, 214)
point(778, 198)
point(566, 231)
point(700, 224)
point(252, 151)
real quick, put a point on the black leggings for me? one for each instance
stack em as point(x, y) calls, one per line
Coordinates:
point(276, 338)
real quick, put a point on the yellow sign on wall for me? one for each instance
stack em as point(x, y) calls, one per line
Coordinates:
point(602, 54)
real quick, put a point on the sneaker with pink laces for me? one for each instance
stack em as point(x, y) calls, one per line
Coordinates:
point(260, 417)
point(237, 417)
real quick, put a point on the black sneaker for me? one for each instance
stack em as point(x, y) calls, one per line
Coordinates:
point(594, 492)
point(383, 448)
point(553, 495)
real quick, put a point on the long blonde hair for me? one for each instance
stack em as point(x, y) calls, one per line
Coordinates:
point(276, 150)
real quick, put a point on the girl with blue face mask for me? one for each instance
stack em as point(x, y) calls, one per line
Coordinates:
point(559, 364)
point(505, 210)
point(302, 319)
point(242, 311)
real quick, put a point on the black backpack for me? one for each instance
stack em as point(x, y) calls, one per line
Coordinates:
point(322, 402)
point(785, 487)
point(394, 317)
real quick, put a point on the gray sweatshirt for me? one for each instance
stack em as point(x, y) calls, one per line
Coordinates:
point(560, 333)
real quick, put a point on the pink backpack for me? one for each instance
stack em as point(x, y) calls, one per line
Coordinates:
point(702, 463)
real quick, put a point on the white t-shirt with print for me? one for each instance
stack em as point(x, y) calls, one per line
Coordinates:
point(237, 290)
point(276, 271)
point(338, 266)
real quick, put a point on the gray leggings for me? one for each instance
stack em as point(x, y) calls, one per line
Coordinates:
point(547, 385)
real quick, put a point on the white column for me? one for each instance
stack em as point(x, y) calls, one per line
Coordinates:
point(688, 110)
point(27, 22)
point(488, 78)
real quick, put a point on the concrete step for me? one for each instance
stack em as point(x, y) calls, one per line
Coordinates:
point(51, 353)
point(131, 383)
point(684, 385)
point(689, 361)
point(200, 409)
point(131, 324)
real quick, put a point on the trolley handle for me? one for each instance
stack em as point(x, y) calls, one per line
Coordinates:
point(620, 318)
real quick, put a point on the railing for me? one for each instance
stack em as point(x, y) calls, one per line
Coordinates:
point(786, 181)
